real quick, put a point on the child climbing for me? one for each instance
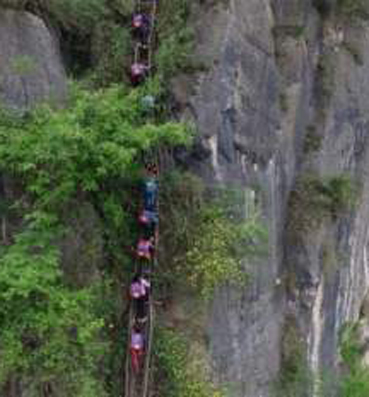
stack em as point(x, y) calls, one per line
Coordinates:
point(136, 348)
point(141, 27)
point(150, 193)
point(139, 72)
point(139, 291)
point(149, 218)
point(145, 248)
point(140, 287)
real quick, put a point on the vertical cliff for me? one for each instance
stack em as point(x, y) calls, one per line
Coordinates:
point(31, 68)
point(31, 73)
point(283, 109)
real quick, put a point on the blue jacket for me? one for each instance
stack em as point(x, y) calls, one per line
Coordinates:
point(150, 194)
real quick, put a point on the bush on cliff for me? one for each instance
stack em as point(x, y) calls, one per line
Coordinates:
point(355, 379)
point(172, 367)
point(52, 333)
point(207, 243)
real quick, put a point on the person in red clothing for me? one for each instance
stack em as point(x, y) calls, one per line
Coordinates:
point(136, 347)
point(139, 72)
point(152, 169)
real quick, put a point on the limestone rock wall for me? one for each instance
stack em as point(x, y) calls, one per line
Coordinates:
point(279, 71)
point(31, 70)
point(286, 94)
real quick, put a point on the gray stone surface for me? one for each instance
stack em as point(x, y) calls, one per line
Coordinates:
point(264, 89)
point(31, 70)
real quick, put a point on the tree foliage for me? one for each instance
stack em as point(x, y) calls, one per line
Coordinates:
point(207, 242)
point(176, 38)
point(50, 331)
point(355, 381)
point(60, 153)
point(354, 8)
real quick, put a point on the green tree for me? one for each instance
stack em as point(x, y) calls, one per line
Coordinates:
point(52, 332)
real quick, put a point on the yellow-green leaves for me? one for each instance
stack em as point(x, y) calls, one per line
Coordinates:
point(204, 242)
point(211, 260)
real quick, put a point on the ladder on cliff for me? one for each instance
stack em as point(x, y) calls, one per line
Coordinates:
point(144, 53)
point(137, 382)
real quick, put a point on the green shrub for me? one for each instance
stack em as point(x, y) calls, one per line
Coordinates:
point(175, 38)
point(217, 249)
point(348, 8)
point(355, 380)
point(355, 52)
point(312, 141)
point(342, 193)
point(61, 153)
point(354, 8)
point(208, 236)
point(94, 35)
point(110, 51)
point(349, 346)
point(314, 199)
point(23, 65)
point(355, 384)
point(47, 330)
point(82, 13)
point(90, 152)
point(294, 377)
point(172, 368)
point(325, 77)
point(97, 41)
point(210, 259)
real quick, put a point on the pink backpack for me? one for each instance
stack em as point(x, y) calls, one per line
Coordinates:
point(136, 290)
point(137, 341)
point(144, 247)
point(137, 21)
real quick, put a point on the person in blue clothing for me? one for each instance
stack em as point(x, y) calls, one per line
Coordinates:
point(150, 194)
point(150, 191)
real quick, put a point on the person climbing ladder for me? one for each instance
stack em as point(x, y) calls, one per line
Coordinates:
point(141, 28)
point(140, 290)
point(143, 25)
point(137, 347)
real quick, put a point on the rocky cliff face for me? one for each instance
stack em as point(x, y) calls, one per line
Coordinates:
point(31, 69)
point(31, 73)
point(285, 101)
point(281, 110)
